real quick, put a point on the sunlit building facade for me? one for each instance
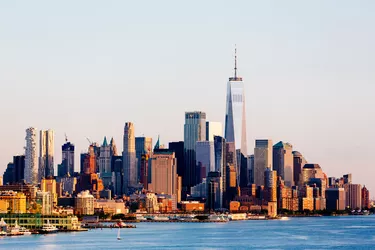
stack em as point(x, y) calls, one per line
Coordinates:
point(31, 159)
point(46, 154)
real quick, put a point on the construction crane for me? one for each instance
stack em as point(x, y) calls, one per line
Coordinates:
point(89, 140)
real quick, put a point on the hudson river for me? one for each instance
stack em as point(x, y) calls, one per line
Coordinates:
point(349, 232)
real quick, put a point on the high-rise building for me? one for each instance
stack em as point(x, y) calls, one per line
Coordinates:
point(262, 160)
point(178, 149)
point(205, 158)
point(194, 130)
point(298, 163)
point(335, 199)
point(49, 185)
point(143, 145)
point(9, 174)
point(221, 161)
point(129, 158)
point(84, 203)
point(365, 198)
point(118, 177)
point(19, 168)
point(89, 161)
point(235, 115)
point(45, 202)
point(46, 154)
point(213, 129)
point(1, 180)
point(67, 159)
point(244, 172)
point(105, 163)
point(144, 170)
point(214, 190)
point(164, 178)
point(353, 195)
point(283, 162)
point(113, 146)
point(250, 166)
point(31, 167)
point(270, 184)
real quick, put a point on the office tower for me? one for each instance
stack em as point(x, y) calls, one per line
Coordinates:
point(89, 161)
point(45, 202)
point(31, 167)
point(129, 158)
point(46, 154)
point(235, 116)
point(12, 202)
point(118, 177)
point(335, 199)
point(298, 162)
point(67, 159)
point(347, 178)
point(49, 185)
point(262, 160)
point(113, 147)
point(9, 177)
point(178, 149)
point(221, 161)
point(283, 162)
point(353, 195)
point(143, 145)
point(213, 129)
point(230, 154)
point(331, 182)
point(164, 177)
point(214, 191)
point(231, 182)
point(144, 170)
point(1, 180)
point(19, 168)
point(250, 165)
point(270, 184)
point(194, 130)
point(244, 172)
point(84, 203)
point(105, 163)
point(306, 194)
point(365, 198)
point(205, 159)
point(311, 170)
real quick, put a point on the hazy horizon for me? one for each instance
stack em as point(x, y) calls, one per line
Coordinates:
point(85, 68)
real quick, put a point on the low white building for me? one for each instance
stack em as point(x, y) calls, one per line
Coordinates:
point(84, 203)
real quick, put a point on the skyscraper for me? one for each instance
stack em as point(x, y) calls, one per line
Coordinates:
point(194, 130)
point(235, 117)
point(213, 129)
point(143, 145)
point(221, 161)
point(214, 190)
point(129, 158)
point(164, 177)
point(283, 162)
point(262, 160)
point(205, 158)
point(298, 163)
point(19, 168)
point(31, 167)
point(178, 149)
point(67, 159)
point(46, 154)
point(105, 163)
point(113, 147)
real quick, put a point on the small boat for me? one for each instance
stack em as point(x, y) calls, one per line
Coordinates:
point(15, 231)
point(24, 231)
point(118, 234)
point(48, 228)
point(284, 218)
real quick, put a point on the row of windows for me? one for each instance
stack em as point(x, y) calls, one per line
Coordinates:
point(237, 98)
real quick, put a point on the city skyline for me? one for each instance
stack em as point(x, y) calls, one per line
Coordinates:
point(301, 89)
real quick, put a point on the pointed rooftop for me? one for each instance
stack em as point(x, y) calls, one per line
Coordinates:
point(105, 144)
point(157, 145)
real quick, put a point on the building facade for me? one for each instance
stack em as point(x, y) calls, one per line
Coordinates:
point(67, 159)
point(262, 160)
point(205, 158)
point(143, 145)
point(283, 162)
point(194, 130)
point(84, 203)
point(31, 167)
point(46, 154)
point(129, 160)
point(298, 163)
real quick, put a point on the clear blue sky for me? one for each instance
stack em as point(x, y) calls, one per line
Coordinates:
point(85, 67)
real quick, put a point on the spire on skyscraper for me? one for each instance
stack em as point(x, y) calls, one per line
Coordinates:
point(235, 61)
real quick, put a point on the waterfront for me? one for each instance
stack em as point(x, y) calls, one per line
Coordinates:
point(347, 232)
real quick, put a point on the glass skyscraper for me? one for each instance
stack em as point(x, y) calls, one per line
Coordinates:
point(235, 117)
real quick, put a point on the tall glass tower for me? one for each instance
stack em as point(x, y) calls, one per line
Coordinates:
point(235, 116)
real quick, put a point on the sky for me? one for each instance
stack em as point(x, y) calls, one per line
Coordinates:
point(84, 68)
